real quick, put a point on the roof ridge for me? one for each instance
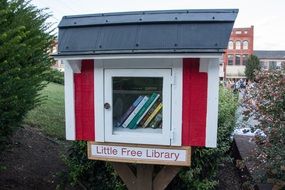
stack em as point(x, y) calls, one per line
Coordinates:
point(153, 12)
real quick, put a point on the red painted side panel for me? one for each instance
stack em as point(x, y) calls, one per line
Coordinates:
point(84, 102)
point(194, 109)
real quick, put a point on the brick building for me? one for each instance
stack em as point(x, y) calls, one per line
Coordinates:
point(239, 48)
point(58, 65)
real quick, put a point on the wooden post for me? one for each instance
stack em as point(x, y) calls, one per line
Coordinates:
point(165, 176)
point(144, 178)
point(126, 174)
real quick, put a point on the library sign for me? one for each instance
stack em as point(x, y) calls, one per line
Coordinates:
point(140, 154)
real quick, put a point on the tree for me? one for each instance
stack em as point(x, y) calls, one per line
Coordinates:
point(252, 65)
point(25, 41)
point(265, 101)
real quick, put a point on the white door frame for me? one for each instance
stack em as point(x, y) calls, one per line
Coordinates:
point(132, 136)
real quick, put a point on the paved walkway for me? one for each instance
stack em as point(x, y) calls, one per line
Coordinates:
point(244, 127)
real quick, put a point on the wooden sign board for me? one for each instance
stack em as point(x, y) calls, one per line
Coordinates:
point(143, 154)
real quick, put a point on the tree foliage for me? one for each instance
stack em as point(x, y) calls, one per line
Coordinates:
point(25, 42)
point(252, 65)
point(265, 101)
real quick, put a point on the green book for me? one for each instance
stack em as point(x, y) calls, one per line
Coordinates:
point(149, 112)
point(133, 123)
point(149, 107)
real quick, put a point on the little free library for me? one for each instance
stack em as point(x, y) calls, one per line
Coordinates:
point(142, 87)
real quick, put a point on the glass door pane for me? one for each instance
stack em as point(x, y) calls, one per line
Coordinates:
point(137, 103)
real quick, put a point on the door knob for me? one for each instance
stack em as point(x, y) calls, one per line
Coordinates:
point(107, 106)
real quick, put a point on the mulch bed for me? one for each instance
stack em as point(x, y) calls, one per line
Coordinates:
point(32, 161)
point(243, 149)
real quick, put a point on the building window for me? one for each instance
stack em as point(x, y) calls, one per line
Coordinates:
point(231, 45)
point(230, 59)
point(272, 65)
point(238, 44)
point(237, 59)
point(245, 45)
point(245, 32)
point(283, 64)
point(278, 65)
point(238, 32)
point(244, 59)
point(264, 65)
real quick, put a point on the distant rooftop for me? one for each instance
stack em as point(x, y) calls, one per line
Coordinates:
point(174, 31)
point(267, 54)
point(240, 28)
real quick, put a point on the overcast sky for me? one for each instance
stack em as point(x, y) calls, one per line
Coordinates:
point(267, 16)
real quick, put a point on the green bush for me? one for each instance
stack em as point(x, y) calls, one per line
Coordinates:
point(24, 60)
point(55, 76)
point(201, 175)
point(90, 174)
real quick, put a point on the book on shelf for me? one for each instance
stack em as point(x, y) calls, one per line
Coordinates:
point(160, 125)
point(152, 115)
point(155, 123)
point(133, 123)
point(148, 108)
point(129, 111)
point(135, 111)
point(149, 112)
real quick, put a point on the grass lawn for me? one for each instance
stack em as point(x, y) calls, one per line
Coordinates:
point(49, 116)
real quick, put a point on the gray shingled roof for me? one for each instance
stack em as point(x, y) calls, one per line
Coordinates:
point(180, 31)
point(262, 54)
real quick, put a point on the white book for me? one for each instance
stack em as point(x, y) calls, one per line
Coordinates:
point(157, 96)
point(136, 110)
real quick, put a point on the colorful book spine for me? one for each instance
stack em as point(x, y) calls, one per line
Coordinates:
point(149, 112)
point(154, 113)
point(151, 104)
point(133, 123)
point(135, 111)
point(129, 111)
point(156, 121)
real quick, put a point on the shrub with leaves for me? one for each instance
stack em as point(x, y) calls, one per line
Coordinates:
point(55, 76)
point(24, 59)
point(90, 174)
point(265, 101)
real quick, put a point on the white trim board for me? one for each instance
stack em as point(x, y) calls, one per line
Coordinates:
point(130, 56)
point(211, 66)
point(69, 102)
point(176, 106)
point(99, 100)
